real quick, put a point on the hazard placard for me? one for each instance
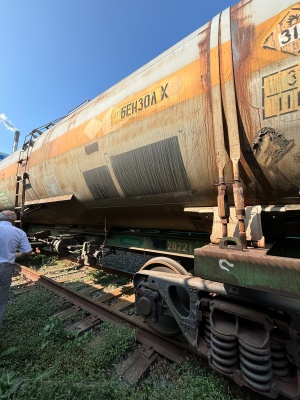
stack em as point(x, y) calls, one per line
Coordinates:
point(286, 34)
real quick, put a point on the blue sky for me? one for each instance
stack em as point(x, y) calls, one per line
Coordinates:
point(57, 53)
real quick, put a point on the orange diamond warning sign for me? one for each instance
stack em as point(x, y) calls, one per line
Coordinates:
point(286, 35)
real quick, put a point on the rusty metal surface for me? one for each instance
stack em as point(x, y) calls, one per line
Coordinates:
point(55, 199)
point(263, 91)
point(222, 327)
point(244, 64)
point(252, 269)
point(221, 155)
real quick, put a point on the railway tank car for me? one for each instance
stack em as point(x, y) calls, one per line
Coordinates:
point(204, 138)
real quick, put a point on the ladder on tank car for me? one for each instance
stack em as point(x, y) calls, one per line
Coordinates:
point(22, 178)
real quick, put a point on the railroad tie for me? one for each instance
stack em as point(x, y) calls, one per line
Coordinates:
point(137, 364)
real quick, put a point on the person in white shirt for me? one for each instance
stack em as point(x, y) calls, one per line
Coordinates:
point(13, 245)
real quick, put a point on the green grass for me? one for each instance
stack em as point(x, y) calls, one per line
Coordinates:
point(40, 261)
point(40, 360)
point(105, 279)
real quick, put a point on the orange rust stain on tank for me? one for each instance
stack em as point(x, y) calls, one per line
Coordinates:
point(9, 171)
point(195, 72)
point(188, 86)
point(204, 50)
point(251, 56)
point(206, 121)
point(252, 48)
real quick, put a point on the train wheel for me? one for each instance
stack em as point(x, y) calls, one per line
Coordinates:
point(166, 323)
point(164, 264)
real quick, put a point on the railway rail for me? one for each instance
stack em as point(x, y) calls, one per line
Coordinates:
point(109, 306)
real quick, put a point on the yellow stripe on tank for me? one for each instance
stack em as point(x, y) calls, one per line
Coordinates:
point(174, 89)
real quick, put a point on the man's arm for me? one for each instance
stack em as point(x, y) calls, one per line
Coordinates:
point(25, 248)
point(22, 255)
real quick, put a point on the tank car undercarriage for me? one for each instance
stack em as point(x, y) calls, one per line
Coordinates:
point(238, 308)
point(249, 335)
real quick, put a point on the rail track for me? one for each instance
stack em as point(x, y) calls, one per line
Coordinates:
point(111, 302)
point(106, 294)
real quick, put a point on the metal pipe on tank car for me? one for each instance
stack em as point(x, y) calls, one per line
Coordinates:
point(230, 110)
point(218, 128)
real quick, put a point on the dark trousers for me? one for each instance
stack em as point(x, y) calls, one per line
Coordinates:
point(6, 274)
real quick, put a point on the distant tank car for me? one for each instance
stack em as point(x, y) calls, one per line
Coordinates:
point(204, 138)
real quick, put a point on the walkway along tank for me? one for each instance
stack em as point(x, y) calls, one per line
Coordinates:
point(204, 138)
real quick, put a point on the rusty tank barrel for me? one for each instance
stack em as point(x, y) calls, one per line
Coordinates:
point(221, 106)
